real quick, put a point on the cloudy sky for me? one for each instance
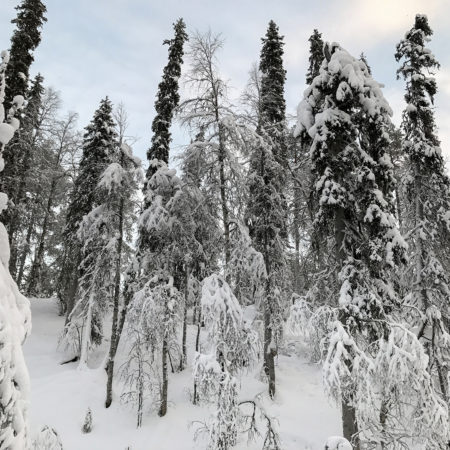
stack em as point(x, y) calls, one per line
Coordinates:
point(94, 48)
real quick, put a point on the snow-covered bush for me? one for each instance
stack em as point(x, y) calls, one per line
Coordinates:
point(231, 345)
point(87, 424)
point(47, 439)
point(152, 322)
point(312, 325)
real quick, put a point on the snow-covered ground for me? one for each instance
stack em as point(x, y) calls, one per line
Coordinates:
point(61, 395)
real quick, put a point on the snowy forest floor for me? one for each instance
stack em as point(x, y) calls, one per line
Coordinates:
point(61, 395)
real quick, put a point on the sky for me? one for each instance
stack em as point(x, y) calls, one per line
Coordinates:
point(94, 48)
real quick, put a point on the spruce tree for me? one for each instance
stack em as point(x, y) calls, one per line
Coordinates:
point(266, 210)
point(167, 100)
point(354, 182)
point(24, 146)
point(305, 201)
point(98, 144)
point(427, 201)
point(161, 185)
point(315, 56)
point(26, 37)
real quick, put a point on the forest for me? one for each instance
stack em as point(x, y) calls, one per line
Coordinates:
point(185, 301)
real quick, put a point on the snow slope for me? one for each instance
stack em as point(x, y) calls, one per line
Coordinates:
point(61, 395)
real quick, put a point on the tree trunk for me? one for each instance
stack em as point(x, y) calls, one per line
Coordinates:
point(86, 337)
point(36, 267)
point(349, 423)
point(72, 287)
point(183, 339)
point(269, 345)
point(197, 348)
point(223, 196)
point(26, 250)
point(115, 329)
point(165, 379)
point(18, 199)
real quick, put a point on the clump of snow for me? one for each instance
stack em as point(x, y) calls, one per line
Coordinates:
point(112, 176)
point(337, 443)
point(6, 133)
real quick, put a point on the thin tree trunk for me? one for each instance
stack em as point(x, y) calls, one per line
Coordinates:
point(165, 379)
point(197, 348)
point(26, 249)
point(140, 392)
point(223, 196)
point(18, 200)
point(269, 351)
point(86, 337)
point(115, 329)
point(36, 267)
point(71, 291)
point(184, 331)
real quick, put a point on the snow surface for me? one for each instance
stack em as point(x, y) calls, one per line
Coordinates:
point(61, 396)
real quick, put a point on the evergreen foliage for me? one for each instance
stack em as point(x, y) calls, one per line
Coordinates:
point(427, 202)
point(99, 144)
point(266, 214)
point(167, 100)
point(25, 39)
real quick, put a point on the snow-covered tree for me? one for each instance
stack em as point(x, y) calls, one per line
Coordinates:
point(315, 56)
point(54, 181)
point(87, 424)
point(86, 280)
point(99, 143)
point(25, 39)
point(308, 256)
point(426, 204)
point(266, 212)
point(120, 179)
point(225, 138)
point(153, 271)
point(152, 322)
point(15, 315)
point(167, 99)
point(25, 144)
point(230, 346)
point(354, 181)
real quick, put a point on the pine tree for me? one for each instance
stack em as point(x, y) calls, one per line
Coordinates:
point(98, 145)
point(427, 201)
point(26, 37)
point(354, 180)
point(266, 211)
